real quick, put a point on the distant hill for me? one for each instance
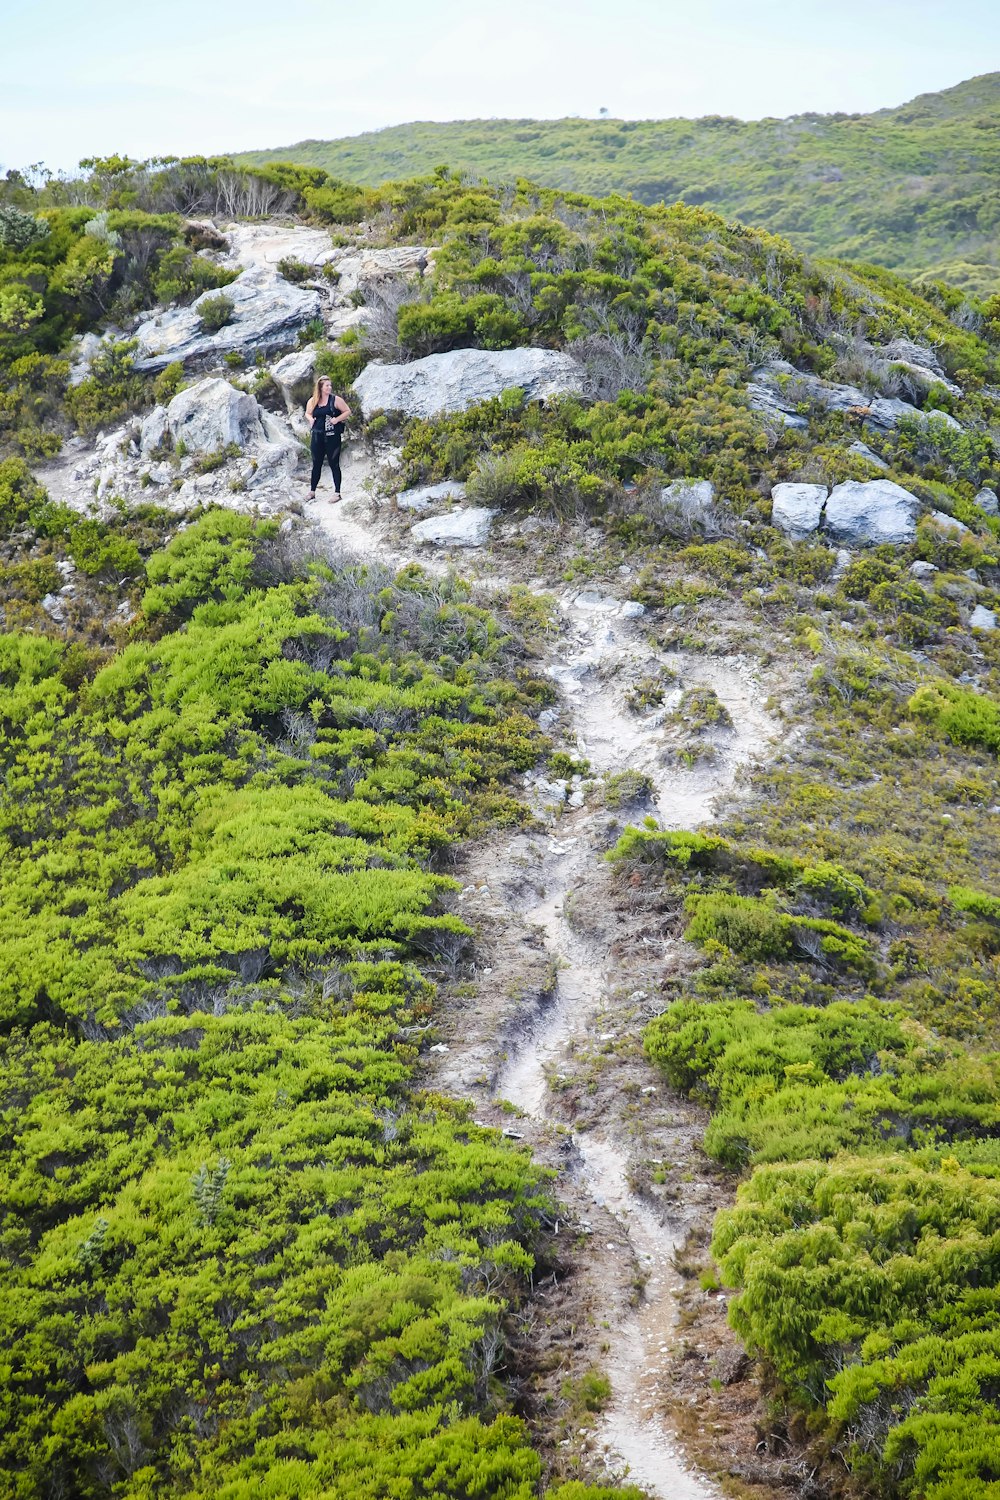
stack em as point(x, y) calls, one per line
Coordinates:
point(916, 188)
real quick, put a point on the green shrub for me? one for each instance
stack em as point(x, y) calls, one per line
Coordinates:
point(111, 390)
point(966, 717)
point(216, 312)
point(754, 929)
point(168, 382)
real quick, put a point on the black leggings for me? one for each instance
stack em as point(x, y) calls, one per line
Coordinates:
point(325, 447)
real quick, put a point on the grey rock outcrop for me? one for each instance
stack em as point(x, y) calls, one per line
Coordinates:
point(796, 508)
point(921, 569)
point(429, 495)
point(863, 451)
point(458, 528)
point(987, 502)
point(948, 523)
point(764, 398)
point(886, 412)
point(452, 382)
point(361, 265)
point(982, 618)
point(873, 511)
point(778, 388)
point(267, 315)
point(85, 346)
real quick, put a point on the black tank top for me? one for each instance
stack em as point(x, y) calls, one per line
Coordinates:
point(321, 415)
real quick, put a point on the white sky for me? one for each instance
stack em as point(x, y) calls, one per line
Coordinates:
point(198, 76)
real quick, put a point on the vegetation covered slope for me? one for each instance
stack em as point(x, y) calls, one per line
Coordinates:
point(915, 188)
point(238, 1242)
point(241, 1254)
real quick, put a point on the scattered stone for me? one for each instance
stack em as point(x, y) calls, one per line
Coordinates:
point(863, 451)
point(459, 528)
point(632, 610)
point(980, 619)
point(796, 508)
point(268, 312)
point(53, 607)
point(949, 523)
point(971, 575)
point(429, 495)
point(459, 379)
point(548, 719)
point(691, 498)
point(987, 502)
point(924, 569)
point(875, 510)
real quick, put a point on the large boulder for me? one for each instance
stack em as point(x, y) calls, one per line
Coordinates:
point(458, 528)
point(213, 414)
point(875, 510)
point(796, 508)
point(268, 313)
point(987, 502)
point(451, 382)
point(265, 245)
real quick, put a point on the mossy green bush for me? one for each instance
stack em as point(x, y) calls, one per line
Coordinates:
point(224, 1194)
point(216, 312)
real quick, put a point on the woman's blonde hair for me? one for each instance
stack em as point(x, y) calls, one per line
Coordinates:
point(321, 380)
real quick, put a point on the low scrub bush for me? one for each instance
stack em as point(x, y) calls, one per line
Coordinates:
point(216, 312)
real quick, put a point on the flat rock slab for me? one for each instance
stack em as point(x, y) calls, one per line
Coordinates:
point(796, 508)
point(429, 495)
point(459, 528)
point(451, 382)
point(872, 511)
point(267, 315)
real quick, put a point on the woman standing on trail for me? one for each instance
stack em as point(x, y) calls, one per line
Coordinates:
point(327, 414)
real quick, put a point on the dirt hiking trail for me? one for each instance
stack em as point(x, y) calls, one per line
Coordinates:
point(536, 891)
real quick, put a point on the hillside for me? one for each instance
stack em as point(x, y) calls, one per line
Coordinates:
point(915, 188)
point(498, 974)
